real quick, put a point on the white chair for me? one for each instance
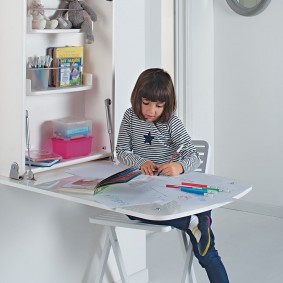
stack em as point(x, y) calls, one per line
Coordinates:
point(112, 219)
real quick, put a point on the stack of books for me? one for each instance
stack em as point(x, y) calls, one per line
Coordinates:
point(66, 66)
point(42, 158)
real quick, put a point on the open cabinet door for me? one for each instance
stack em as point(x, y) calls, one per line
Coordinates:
point(12, 87)
point(129, 52)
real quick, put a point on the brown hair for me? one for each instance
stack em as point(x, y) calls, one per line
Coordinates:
point(155, 85)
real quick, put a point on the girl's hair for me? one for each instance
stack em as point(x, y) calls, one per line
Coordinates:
point(155, 85)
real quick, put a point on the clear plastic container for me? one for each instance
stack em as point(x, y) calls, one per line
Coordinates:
point(72, 148)
point(69, 128)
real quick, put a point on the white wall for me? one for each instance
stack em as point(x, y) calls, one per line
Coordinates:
point(45, 239)
point(248, 100)
point(199, 112)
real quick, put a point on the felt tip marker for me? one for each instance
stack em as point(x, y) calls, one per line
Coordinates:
point(174, 155)
point(195, 191)
point(194, 185)
point(203, 186)
point(172, 186)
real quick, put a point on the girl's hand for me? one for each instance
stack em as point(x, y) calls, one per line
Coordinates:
point(170, 169)
point(148, 168)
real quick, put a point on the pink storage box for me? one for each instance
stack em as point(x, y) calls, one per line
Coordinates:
point(72, 148)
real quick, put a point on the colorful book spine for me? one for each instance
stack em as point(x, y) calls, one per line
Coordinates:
point(120, 177)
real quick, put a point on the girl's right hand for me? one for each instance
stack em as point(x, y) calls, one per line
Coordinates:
point(148, 168)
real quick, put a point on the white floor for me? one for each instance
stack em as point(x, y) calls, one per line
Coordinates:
point(250, 245)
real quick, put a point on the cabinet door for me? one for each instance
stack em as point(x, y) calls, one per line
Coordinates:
point(12, 75)
point(137, 46)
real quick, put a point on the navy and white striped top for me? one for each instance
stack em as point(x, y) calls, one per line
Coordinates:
point(140, 141)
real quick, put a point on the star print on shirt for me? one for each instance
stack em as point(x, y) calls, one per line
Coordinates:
point(148, 138)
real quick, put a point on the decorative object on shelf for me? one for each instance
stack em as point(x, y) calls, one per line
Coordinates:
point(76, 17)
point(248, 8)
point(39, 20)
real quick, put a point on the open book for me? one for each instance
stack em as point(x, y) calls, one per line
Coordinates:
point(87, 185)
point(120, 177)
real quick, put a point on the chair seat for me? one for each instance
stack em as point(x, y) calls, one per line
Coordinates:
point(111, 220)
point(115, 219)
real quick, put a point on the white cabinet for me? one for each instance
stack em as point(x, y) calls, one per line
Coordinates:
point(114, 60)
point(86, 101)
point(43, 106)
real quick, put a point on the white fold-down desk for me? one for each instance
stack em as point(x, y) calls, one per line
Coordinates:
point(145, 197)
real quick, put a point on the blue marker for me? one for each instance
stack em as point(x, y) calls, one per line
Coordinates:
point(193, 191)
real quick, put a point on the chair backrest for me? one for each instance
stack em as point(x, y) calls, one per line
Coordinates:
point(202, 148)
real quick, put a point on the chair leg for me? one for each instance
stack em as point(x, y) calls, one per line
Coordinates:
point(111, 240)
point(188, 270)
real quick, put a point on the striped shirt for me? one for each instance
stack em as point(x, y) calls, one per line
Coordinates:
point(140, 141)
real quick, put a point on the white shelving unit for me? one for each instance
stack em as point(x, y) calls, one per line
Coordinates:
point(81, 102)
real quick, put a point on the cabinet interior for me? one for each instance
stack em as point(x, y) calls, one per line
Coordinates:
point(43, 107)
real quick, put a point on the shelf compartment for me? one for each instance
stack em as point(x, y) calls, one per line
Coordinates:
point(69, 162)
point(54, 31)
point(87, 85)
point(30, 30)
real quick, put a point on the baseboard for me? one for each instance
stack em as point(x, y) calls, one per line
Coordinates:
point(138, 277)
point(256, 208)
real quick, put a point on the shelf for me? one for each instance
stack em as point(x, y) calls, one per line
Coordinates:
point(52, 90)
point(30, 30)
point(70, 162)
point(87, 79)
point(54, 31)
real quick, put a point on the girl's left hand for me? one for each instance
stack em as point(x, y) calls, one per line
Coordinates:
point(170, 169)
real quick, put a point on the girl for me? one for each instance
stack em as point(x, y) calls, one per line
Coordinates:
point(149, 135)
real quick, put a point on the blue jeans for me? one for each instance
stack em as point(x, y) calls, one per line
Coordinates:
point(211, 262)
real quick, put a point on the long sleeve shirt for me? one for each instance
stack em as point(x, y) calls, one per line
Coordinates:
point(140, 141)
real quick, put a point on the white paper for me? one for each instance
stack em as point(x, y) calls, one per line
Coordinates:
point(147, 189)
point(97, 170)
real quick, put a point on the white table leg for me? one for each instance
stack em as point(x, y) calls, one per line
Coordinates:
point(118, 255)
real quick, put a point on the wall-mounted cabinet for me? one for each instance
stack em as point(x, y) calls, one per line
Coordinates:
point(111, 65)
point(85, 101)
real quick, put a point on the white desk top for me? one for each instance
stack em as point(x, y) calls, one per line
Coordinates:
point(131, 198)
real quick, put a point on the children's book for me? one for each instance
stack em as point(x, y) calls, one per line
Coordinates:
point(120, 177)
point(45, 163)
point(70, 72)
point(42, 158)
point(63, 57)
point(49, 52)
point(42, 155)
point(81, 186)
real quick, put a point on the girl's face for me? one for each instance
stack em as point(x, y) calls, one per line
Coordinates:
point(151, 111)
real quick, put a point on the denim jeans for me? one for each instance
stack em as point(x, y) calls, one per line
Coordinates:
point(211, 262)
